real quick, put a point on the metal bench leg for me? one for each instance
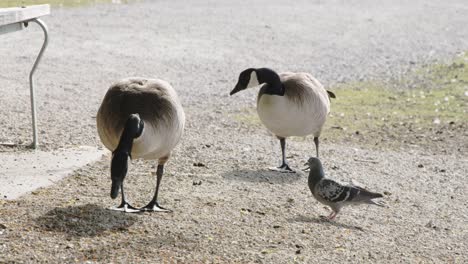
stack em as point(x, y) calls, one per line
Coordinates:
point(31, 82)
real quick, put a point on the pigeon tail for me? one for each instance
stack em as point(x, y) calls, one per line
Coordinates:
point(359, 195)
point(370, 195)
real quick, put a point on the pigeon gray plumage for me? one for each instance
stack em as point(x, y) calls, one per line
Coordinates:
point(334, 194)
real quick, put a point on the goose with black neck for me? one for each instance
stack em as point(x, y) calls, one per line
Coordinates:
point(288, 104)
point(139, 118)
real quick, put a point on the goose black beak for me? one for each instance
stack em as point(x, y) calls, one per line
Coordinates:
point(306, 168)
point(115, 189)
point(236, 89)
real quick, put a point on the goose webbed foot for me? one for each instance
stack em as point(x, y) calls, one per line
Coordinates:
point(284, 168)
point(125, 207)
point(154, 207)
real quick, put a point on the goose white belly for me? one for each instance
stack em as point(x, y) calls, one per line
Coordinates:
point(158, 142)
point(285, 117)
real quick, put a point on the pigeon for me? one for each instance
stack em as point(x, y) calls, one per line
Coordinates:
point(334, 194)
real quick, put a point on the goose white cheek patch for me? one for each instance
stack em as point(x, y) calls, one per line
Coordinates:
point(253, 80)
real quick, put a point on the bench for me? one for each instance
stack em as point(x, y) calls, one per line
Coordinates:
point(15, 19)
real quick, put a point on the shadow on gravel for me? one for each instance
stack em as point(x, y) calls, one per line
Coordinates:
point(318, 220)
point(85, 220)
point(269, 176)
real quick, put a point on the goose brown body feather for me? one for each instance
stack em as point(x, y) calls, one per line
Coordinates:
point(158, 106)
point(301, 111)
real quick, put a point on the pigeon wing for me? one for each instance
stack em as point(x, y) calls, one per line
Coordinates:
point(332, 191)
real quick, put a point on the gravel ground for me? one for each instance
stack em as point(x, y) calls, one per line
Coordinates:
point(230, 208)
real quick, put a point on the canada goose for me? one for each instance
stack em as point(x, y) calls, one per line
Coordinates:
point(289, 104)
point(335, 195)
point(139, 118)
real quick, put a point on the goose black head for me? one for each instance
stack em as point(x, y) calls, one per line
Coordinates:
point(247, 79)
point(254, 77)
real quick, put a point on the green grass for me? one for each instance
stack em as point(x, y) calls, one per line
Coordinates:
point(372, 105)
point(433, 113)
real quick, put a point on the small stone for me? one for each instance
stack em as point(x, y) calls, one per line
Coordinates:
point(430, 224)
point(199, 164)
point(420, 166)
point(197, 182)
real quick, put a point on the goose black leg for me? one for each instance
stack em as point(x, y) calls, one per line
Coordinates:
point(124, 205)
point(284, 167)
point(316, 141)
point(153, 206)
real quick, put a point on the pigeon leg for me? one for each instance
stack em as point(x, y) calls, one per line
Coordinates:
point(124, 205)
point(153, 206)
point(284, 167)
point(332, 215)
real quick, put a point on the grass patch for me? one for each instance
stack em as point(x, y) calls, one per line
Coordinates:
point(433, 114)
point(372, 114)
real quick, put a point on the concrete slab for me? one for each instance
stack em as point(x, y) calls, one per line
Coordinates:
point(24, 172)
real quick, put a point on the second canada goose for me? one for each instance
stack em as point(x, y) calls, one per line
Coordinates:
point(288, 104)
point(139, 118)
